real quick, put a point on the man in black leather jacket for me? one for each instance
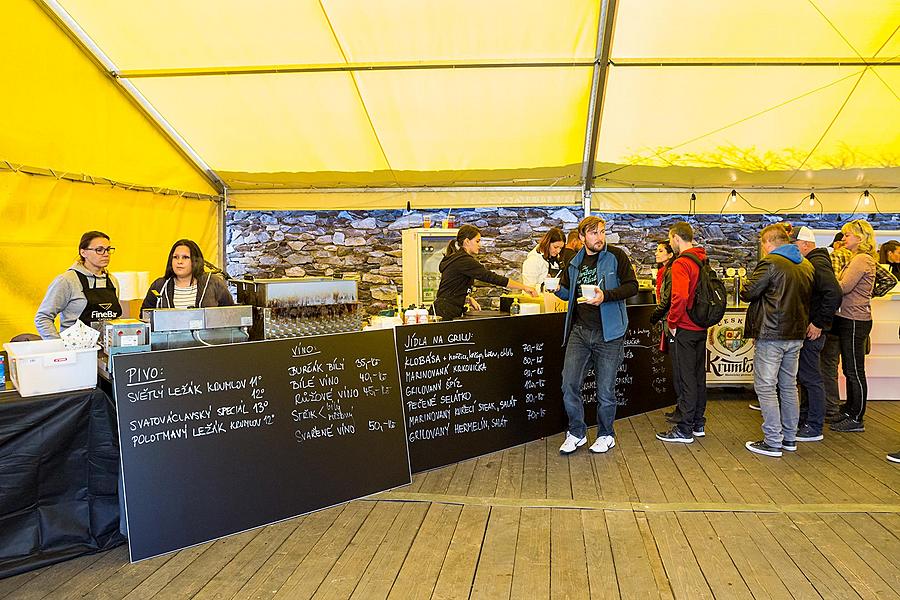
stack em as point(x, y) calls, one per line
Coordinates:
point(778, 291)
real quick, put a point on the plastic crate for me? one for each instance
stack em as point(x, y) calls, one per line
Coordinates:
point(47, 367)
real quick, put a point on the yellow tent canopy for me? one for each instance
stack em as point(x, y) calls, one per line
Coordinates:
point(161, 110)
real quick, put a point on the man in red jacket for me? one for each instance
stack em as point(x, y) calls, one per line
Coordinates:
point(687, 341)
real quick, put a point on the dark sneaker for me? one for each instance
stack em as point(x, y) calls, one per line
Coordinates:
point(699, 430)
point(755, 406)
point(836, 418)
point(761, 447)
point(848, 425)
point(895, 457)
point(674, 435)
point(808, 434)
point(669, 414)
point(790, 446)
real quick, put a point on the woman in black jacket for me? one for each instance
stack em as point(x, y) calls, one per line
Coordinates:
point(185, 284)
point(459, 270)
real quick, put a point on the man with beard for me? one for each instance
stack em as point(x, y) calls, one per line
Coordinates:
point(594, 334)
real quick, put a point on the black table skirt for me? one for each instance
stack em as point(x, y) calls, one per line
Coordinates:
point(59, 468)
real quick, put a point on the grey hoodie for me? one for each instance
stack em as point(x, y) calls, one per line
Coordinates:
point(65, 298)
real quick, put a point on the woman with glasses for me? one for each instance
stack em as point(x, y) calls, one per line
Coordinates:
point(185, 283)
point(87, 292)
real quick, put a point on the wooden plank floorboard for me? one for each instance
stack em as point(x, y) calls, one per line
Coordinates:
point(534, 470)
point(881, 565)
point(269, 578)
point(437, 481)
point(843, 557)
point(229, 580)
point(509, 483)
point(462, 477)
point(12, 584)
point(598, 553)
point(633, 569)
point(717, 565)
point(379, 576)
point(312, 570)
point(646, 486)
point(531, 571)
point(758, 574)
point(94, 575)
point(780, 561)
point(486, 475)
point(581, 470)
point(559, 480)
point(458, 569)
point(568, 561)
point(420, 570)
point(663, 461)
point(150, 585)
point(50, 578)
point(493, 575)
point(684, 575)
point(817, 568)
point(198, 573)
point(347, 571)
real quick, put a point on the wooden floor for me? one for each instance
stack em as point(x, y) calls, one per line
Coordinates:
point(647, 520)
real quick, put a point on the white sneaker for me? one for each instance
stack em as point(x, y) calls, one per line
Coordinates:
point(603, 443)
point(571, 444)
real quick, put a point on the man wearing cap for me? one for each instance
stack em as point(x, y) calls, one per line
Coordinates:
point(825, 300)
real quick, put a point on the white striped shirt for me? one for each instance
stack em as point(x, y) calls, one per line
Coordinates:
point(185, 297)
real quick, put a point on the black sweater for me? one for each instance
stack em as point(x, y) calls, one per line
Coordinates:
point(458, 271)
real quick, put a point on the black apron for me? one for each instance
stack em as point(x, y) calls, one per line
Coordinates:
point(102, 303)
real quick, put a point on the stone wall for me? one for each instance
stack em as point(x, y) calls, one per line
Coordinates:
point(326, 243)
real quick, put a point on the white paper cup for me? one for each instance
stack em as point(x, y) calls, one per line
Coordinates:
point(588, 291)
point(551, 284)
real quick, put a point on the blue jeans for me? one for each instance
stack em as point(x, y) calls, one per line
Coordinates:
point(587, 348)
point(812, 388)
point(775, 364)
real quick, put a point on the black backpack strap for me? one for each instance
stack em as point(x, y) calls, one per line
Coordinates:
point(693, 258)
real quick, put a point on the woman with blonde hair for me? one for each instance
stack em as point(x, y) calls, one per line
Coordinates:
point(853, 320)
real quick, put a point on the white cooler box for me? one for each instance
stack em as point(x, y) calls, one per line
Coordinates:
point(47, 367)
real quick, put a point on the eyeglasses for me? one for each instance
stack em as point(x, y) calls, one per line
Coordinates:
point(103, 249)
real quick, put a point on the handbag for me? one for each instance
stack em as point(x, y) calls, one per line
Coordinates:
point(884, 281)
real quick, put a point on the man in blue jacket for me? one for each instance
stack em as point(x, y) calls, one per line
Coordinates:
point(601, 277)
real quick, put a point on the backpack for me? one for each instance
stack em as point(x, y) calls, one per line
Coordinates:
point(884, 281)
point(710, 297)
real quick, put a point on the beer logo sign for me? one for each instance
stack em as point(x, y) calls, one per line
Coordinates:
point(105, 305)
point(731, 338)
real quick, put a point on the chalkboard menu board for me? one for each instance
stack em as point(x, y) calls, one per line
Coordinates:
point(223, 439)
point(476, 386)
point(472, 387)
point(644, 379)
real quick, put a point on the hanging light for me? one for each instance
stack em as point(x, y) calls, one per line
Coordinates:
point(733, 196)
point(812, 198)
point(866, 197)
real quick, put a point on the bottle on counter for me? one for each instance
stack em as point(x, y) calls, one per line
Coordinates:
point(409, 317)
point(515, 309)
point(421, 314)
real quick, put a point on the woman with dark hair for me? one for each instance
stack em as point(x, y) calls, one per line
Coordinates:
point(544, 261)
point(889, 254)
point(185, 284)
point(86, 292)
point(459, 270)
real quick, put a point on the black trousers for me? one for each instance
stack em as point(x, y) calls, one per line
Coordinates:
point(853, 335)
point(688, 351)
